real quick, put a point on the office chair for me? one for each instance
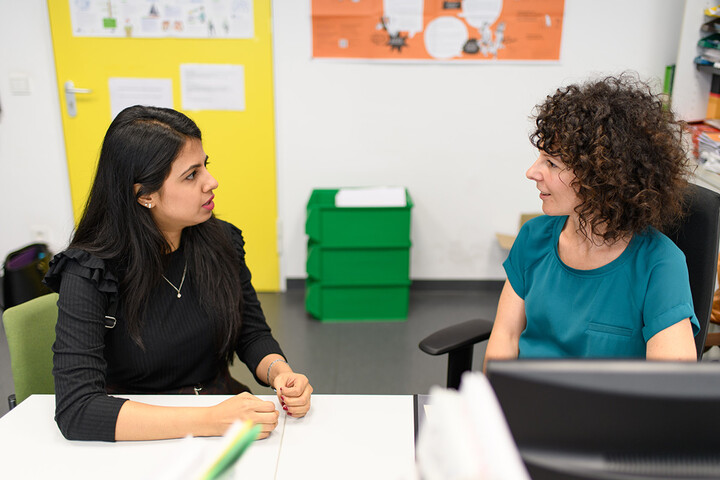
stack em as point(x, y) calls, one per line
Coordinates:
point(713, 338)
point(30, 332)
point(698, 236)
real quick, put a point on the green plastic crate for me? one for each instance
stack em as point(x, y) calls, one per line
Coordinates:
point(358, 266)
point(358, 303)
point(356, 226)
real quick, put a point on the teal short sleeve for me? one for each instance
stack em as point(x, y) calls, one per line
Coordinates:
point(666, 301)
point(533, 243)
point(513, 264)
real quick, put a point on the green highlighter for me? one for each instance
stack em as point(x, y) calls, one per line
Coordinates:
point(238, 442)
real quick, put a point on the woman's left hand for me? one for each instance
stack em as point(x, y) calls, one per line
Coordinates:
point(293, 391)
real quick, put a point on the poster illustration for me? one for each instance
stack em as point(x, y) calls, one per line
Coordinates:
point(162, 18)
point(432, 30)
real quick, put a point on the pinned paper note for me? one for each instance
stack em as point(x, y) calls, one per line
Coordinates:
point(371, 197)
point(126, 92)
point(212, 86)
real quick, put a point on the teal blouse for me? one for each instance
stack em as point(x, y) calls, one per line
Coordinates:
point(611, 311)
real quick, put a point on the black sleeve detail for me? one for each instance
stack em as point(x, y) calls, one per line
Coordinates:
point(83, 410)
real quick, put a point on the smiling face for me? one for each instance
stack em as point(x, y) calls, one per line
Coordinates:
point(554, 181)
point(186, 196)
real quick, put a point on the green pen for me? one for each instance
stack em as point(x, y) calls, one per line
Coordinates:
point(240, 442)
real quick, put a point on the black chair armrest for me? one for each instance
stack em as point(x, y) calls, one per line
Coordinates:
point(456, 336)
point(458, 342)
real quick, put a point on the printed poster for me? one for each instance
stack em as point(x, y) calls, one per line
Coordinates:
point(162, 18)
point(432, 30)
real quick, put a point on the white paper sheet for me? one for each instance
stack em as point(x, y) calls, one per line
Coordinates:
point(126, 92)
point(371, 197)
point(207, 86)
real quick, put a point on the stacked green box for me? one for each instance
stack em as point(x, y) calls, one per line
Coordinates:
point(358, 263)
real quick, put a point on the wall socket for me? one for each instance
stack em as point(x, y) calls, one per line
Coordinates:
point(40, 233)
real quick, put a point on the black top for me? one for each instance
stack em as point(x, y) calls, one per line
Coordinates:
point(177, 335)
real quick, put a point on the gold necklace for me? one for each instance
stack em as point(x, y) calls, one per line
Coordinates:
point(177, 289)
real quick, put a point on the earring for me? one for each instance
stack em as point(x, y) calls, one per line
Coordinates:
point(148, 205)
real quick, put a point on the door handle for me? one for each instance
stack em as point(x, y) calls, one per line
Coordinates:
point(70, 92)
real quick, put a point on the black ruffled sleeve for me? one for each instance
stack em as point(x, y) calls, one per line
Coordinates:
point(256, 340)
point(83, 410)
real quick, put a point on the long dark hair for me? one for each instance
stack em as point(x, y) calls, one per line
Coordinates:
point(139, 148)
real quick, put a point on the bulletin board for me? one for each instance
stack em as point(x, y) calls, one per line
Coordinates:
point(240, 141)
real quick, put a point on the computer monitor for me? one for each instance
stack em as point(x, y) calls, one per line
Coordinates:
point(610, 419)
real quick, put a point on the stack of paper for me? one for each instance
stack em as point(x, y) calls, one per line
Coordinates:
point(709, 141)
point(371, 197)
point(466, 436)
point(709, 150)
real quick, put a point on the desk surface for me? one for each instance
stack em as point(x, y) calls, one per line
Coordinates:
point(343, 436)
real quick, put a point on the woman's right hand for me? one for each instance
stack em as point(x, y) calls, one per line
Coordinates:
point(245, 406)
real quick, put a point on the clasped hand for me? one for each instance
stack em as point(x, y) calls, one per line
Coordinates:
point(293, 391)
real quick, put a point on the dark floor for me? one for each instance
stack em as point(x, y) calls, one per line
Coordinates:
point(358, 357)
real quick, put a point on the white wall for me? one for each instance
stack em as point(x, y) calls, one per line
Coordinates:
point(34, 191)
point(691, 87)
point(454, 135)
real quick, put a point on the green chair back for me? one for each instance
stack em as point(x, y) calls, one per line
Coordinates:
point(30, 331)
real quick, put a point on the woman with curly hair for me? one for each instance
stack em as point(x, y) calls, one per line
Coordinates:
point(594, 277)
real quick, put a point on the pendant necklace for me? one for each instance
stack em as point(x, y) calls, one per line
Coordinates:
point(177, 289)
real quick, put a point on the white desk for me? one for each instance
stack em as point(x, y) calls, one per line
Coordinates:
point(343, 436)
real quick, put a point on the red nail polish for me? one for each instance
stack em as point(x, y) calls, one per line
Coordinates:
point(282, 398)
point(289, 414)
point(285, 407)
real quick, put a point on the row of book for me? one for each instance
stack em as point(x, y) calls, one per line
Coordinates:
point(706, 135)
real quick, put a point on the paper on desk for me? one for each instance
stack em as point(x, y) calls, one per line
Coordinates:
point(371, 197)
point(467, 436)
point(192, 457)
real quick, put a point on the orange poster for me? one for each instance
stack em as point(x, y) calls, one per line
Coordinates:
point(461, 30)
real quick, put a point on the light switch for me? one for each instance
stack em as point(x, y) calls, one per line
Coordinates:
point(19, 84)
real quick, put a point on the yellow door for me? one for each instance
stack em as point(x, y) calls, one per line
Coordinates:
point(240, 144)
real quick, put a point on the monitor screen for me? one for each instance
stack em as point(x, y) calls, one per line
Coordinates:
point(629, 419)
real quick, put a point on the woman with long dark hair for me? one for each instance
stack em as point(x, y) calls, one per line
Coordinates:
point(155, 296)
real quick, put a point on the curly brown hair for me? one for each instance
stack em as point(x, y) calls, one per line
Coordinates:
point(626, 150)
